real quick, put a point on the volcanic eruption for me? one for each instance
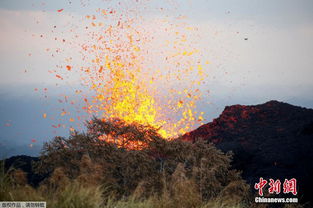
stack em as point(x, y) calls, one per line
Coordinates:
point(138, 73)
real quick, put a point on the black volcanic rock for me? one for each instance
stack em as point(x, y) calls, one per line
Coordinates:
point(271, 140)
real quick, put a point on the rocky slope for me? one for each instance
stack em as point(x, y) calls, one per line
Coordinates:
point(271, 140)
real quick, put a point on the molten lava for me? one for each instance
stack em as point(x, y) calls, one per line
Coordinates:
point(140, 71)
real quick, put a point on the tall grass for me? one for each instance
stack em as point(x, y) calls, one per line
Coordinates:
point(60, 192)
point(76, 195)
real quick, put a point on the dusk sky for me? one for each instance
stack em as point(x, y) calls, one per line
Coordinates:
point(257, 51)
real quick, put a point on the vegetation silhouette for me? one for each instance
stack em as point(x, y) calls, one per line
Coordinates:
point(115, 164)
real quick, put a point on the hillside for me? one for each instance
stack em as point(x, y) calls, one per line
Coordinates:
point(273, 139)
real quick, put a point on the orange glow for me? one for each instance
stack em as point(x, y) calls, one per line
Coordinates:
point(123, 82)
point(69, 68)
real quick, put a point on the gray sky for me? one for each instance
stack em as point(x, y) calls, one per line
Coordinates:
point(275, 62)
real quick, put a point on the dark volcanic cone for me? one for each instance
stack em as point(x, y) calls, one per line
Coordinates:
point(271, 140)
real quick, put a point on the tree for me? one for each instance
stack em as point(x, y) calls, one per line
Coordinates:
point(125, 156)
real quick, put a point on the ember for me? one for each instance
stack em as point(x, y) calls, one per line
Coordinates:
point(134, 74)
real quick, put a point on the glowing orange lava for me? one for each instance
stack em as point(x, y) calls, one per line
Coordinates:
point(124, 80)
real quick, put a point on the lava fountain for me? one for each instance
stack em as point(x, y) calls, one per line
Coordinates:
point(141, 70)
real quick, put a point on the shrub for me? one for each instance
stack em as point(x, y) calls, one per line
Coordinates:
point(124, 157)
